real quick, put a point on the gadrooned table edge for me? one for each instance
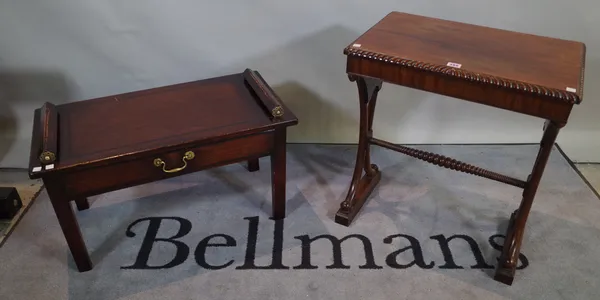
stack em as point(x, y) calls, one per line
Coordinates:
point(564, 96)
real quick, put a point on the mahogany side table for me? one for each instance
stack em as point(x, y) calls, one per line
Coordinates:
point(533, 75)
point(91, 147)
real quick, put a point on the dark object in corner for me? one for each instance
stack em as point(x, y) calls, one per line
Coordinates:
point(10, 202)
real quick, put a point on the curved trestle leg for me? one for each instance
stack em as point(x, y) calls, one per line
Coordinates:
point(507, 264)
point(362, 186)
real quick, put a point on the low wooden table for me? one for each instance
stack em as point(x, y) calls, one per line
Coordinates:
point(100, 145)
point(533, 75)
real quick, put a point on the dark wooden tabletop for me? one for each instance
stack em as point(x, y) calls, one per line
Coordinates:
point(141, 121)
point(539, 61)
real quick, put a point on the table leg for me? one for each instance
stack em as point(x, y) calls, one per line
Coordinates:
point(278, 174)
point(362, 186)
point(253, 165)
point(82, 203)
point(507, 264)
point(69, 225)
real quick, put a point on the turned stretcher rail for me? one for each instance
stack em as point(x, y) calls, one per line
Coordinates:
point(448, 163)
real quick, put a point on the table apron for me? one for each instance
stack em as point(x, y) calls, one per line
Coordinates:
point(99, 180)
point(519, 101)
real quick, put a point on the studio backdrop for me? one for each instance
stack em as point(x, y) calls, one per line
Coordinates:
point(62, 51)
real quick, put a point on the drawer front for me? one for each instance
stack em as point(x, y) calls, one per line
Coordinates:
point(169, 164)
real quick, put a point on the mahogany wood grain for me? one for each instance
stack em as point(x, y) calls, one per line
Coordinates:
point(529, 74)
point(449, 163)
point(142, 170)
point(362, 185)
point(158, 120)
point(68, 223)
point(522, 73)
point(278, 174)
point(48, 145)
point(514, 236)
point(115, 142)
point(526, 60)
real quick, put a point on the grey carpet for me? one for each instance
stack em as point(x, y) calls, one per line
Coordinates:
point(415, 203)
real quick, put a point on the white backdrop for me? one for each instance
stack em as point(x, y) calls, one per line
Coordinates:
point(60, 51)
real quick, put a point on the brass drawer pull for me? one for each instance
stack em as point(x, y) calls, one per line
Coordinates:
point(188, 156)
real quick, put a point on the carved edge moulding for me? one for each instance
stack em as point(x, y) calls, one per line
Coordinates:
point(565, 96)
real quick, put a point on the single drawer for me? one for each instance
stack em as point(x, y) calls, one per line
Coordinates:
point(149, 168)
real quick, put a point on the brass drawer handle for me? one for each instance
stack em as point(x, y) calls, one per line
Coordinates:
point(187, 156)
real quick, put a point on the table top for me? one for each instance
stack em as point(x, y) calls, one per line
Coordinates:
point(136, 122)
point(506, 58)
